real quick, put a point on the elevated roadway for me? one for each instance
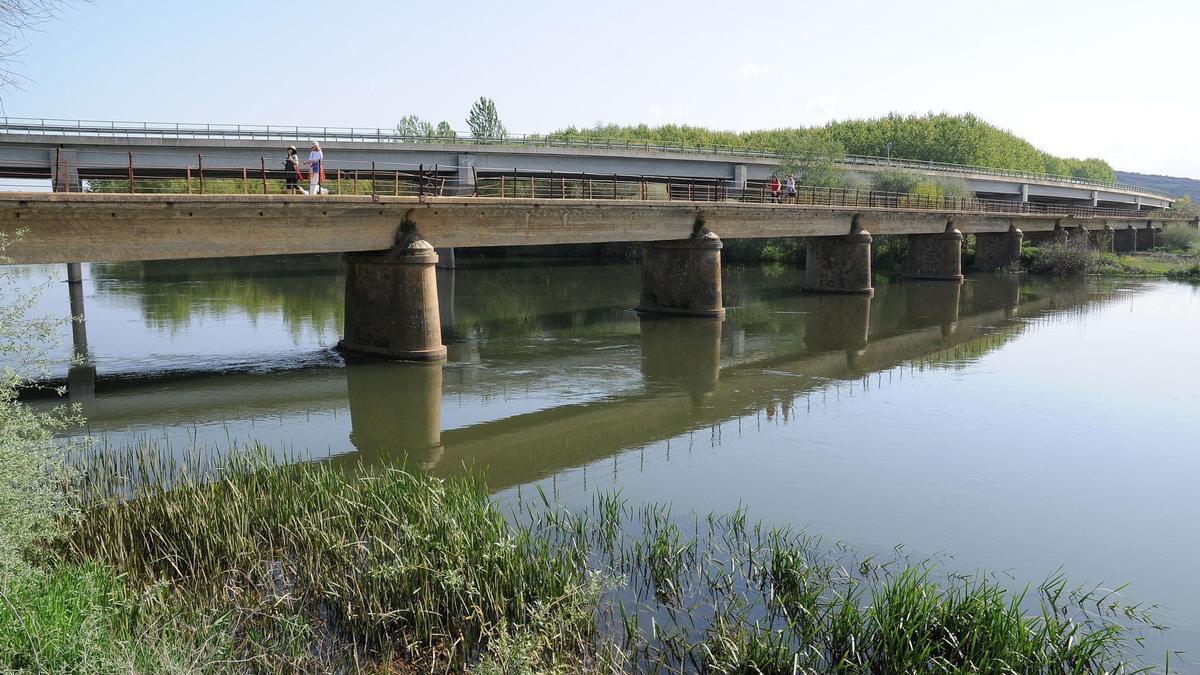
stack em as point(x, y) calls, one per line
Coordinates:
point(41, 148)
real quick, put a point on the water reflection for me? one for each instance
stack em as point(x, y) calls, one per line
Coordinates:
point(81, 373)
point(681, 353)
point(395, 411)
point(933, 303)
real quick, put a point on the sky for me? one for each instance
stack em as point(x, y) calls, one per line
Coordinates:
point(1089, 79)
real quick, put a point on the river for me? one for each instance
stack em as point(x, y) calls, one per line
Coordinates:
point(1009, 424)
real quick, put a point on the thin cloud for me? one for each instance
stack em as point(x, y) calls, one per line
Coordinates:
point(752, 71)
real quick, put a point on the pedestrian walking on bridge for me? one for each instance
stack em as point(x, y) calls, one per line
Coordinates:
point(316, 170)
point(291, 171)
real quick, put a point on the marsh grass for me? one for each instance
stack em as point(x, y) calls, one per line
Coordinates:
point(314, 569)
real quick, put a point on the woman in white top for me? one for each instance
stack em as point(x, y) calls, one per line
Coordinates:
point(315, 165)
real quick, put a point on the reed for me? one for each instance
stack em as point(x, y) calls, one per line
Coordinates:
point(314, 569)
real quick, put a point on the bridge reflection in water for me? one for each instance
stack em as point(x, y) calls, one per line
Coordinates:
point(652, 379)
point(684, 386)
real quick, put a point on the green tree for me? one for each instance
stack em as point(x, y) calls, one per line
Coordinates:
point(411, 126)
point(814, 158)
point(1184, 206)
point(485, 122)
point(444, 131)
point(415, 128)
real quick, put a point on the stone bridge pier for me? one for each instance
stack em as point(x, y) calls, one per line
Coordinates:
point(998, 250)
point(840, 264)
point(392, 303)
point(682, 277)
point(1147, 238)
point(935, 256)
point(1125, 240)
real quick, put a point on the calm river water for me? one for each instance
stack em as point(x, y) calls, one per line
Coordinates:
point(1008, 424)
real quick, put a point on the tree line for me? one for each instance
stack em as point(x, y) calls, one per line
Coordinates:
point(953, 139)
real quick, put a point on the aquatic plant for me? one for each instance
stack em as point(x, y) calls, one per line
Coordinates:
point(384, 566)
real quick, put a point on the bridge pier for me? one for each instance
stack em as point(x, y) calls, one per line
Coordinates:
point(1147, 238)
point(998, 250)
point(392, 303)
point(935, 256)
point(682, 277)
point(840, 264)
point(1125, 240)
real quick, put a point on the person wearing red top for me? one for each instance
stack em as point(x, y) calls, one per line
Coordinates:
point(774, 189)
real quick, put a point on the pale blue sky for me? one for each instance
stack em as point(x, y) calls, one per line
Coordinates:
point(1097, 78)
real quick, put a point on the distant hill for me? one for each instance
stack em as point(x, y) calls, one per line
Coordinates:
point(1172, 184)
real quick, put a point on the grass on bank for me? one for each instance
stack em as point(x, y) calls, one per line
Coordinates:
point(258, 567)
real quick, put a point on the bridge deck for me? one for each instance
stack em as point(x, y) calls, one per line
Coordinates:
point(76, 227)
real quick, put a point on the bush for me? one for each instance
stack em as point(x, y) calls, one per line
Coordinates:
point(1179, 238)
point(1060, 260)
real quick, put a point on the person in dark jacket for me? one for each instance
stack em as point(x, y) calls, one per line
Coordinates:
point(291, 170)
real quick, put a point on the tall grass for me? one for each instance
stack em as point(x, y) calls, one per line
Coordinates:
point(318, 570)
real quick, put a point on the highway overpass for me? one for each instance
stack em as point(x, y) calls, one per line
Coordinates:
point(69, 151)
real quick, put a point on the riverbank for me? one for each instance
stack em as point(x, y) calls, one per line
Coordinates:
point(1181, 267)
point(254, 565)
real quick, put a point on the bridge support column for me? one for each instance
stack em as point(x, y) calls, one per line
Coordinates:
point(1101, 240)
point(1125, 240)
point(998, 250)
point(392, 303)
point(682, 277)
point(1061, 235)
point(840, 264)
point(1147, 237)
point(935, 256)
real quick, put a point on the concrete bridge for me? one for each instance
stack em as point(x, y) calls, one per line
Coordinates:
point(391, 308)
point(72, 151)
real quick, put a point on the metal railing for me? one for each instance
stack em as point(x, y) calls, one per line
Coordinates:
point(221, 174)
point(324, 134)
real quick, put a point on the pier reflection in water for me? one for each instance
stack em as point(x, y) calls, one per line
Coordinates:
point(945, 416)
